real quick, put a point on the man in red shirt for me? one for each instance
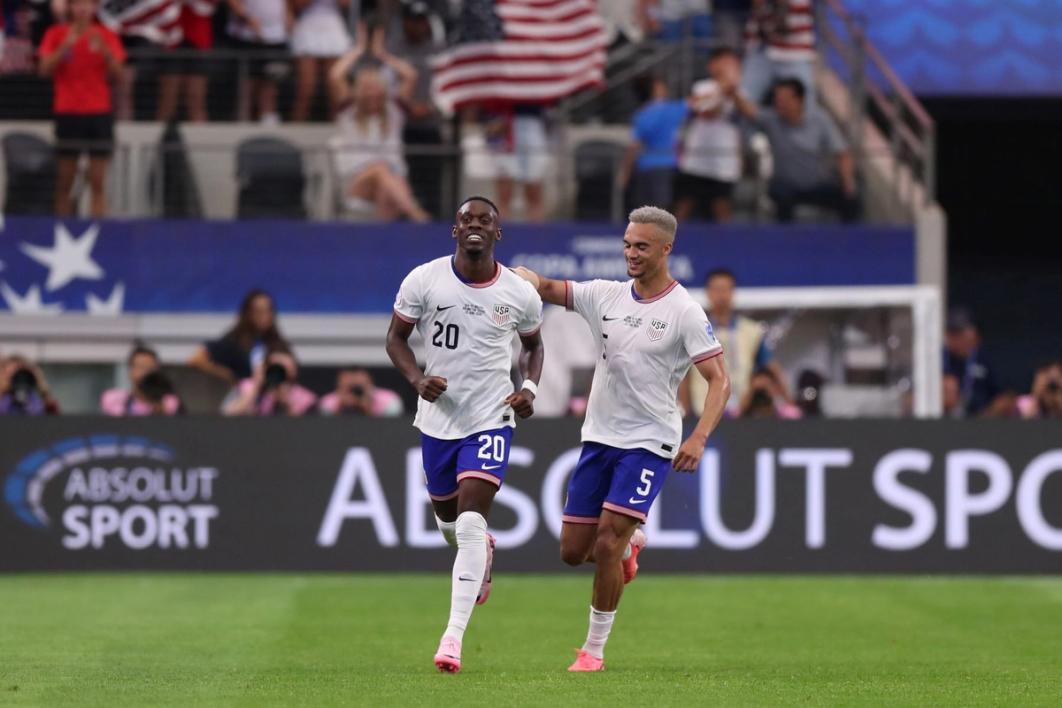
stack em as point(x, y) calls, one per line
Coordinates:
point(82, 56)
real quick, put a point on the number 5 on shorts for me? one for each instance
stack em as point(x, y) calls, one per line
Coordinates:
point(646, 482)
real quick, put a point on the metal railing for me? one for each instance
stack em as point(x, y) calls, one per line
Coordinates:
point(878, 96)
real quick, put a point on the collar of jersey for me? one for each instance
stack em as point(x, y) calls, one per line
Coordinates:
point(469, 283)
point(654, 298)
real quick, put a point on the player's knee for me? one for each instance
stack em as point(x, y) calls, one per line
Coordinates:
point(572, 555)
point(608, 546)
point(471, 528)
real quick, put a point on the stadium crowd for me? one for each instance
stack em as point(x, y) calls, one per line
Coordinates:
point(367, 67)
point(259, 368)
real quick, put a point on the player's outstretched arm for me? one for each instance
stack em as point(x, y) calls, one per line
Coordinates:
point(428, 387)
point(551, 291)
point(532, 354)
point(689, 454)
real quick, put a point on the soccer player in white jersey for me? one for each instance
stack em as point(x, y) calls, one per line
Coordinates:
point(467, 307)
point(649, 330)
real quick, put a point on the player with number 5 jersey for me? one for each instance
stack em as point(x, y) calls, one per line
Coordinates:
point(467, 308)
point(649, 332)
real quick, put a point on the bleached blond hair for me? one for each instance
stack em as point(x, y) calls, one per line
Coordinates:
point(660, 218)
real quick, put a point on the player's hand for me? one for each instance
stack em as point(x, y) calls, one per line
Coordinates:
point(523, 402)
point(430, 388)
point(689, 456)
point(528, 275)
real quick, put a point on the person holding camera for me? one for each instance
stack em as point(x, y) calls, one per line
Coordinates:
point(765, 398)
point(272, 390)
point(150, 391)
point(357, 394)
point(236, 354)
point(1045, 400)
point(24, 390)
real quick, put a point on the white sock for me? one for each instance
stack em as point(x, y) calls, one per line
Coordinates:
point(600, 626)
point(449, 531)
point(469, 566)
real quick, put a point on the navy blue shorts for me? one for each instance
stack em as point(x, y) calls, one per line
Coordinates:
point(482, 455)
point(623, 481)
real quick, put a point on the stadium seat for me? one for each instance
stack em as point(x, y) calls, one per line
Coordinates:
point(596, 164)
point(30, 174)
point(270, 175)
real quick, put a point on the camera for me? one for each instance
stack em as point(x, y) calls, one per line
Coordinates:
point(23, 385)
point(357, 390)
point(155, 386)
point(275, 374)
point(1053, 386)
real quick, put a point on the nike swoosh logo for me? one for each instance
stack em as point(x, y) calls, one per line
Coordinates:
point(632, 500)
point(608, 319)
point(440, 308)
point(467, 580)
point(491, 467)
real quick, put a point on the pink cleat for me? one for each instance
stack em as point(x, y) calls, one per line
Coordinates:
point(585, 662)
point(448, 658)
point(484, 589)
point(630, 566)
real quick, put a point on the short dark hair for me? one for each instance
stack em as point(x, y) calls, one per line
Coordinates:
point(794, 84)
point(720, 272)
point(722, 52)
point(141, 348)
point(480, 199)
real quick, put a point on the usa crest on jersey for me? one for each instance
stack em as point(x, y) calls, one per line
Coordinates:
point(656, 329)
point(502, 314)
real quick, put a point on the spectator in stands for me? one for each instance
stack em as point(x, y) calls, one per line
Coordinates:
point(81, 56)
point(729, 18)
point(417, 37)
point(745, 348)
point(1045, 400)
point(779, 44)
point(272, 390)
point(674, 20)
point(368, 149)
point(150, 391)
point(710, 161)
point(16, 49)
point(649, 164)
point(235, 355)
point(257, 27)
point(24, 390)
point(357, 394)
point(812, 163)
point(765, 398)
point(189, 73)
point(963, 359)
point(519, 146)
point(320, 37)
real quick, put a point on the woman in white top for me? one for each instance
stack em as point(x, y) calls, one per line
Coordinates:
point(319, 38)
point(368, 148)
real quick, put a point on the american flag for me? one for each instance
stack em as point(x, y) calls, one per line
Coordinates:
point(520, 51)
point(158, 21)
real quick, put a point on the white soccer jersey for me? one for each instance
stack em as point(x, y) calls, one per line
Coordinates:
point(468, 338)
point(645, 349)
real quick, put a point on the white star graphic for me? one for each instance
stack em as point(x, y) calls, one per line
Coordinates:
point(68, 259)
point(112, 306)
point(30, 303)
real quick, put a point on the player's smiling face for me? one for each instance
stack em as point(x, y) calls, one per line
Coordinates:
point(477, 228)
point(646, 248)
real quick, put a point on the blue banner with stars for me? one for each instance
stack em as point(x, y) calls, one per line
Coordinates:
point(111, 267)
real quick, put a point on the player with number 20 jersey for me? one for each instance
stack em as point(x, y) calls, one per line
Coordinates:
point(467, 308)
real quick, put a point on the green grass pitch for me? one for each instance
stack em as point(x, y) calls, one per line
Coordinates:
point(308, 640)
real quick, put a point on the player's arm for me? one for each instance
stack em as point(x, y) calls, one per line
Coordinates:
point(532, 354)
point(552, 291)
point(689, 454)
point(428, 387)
